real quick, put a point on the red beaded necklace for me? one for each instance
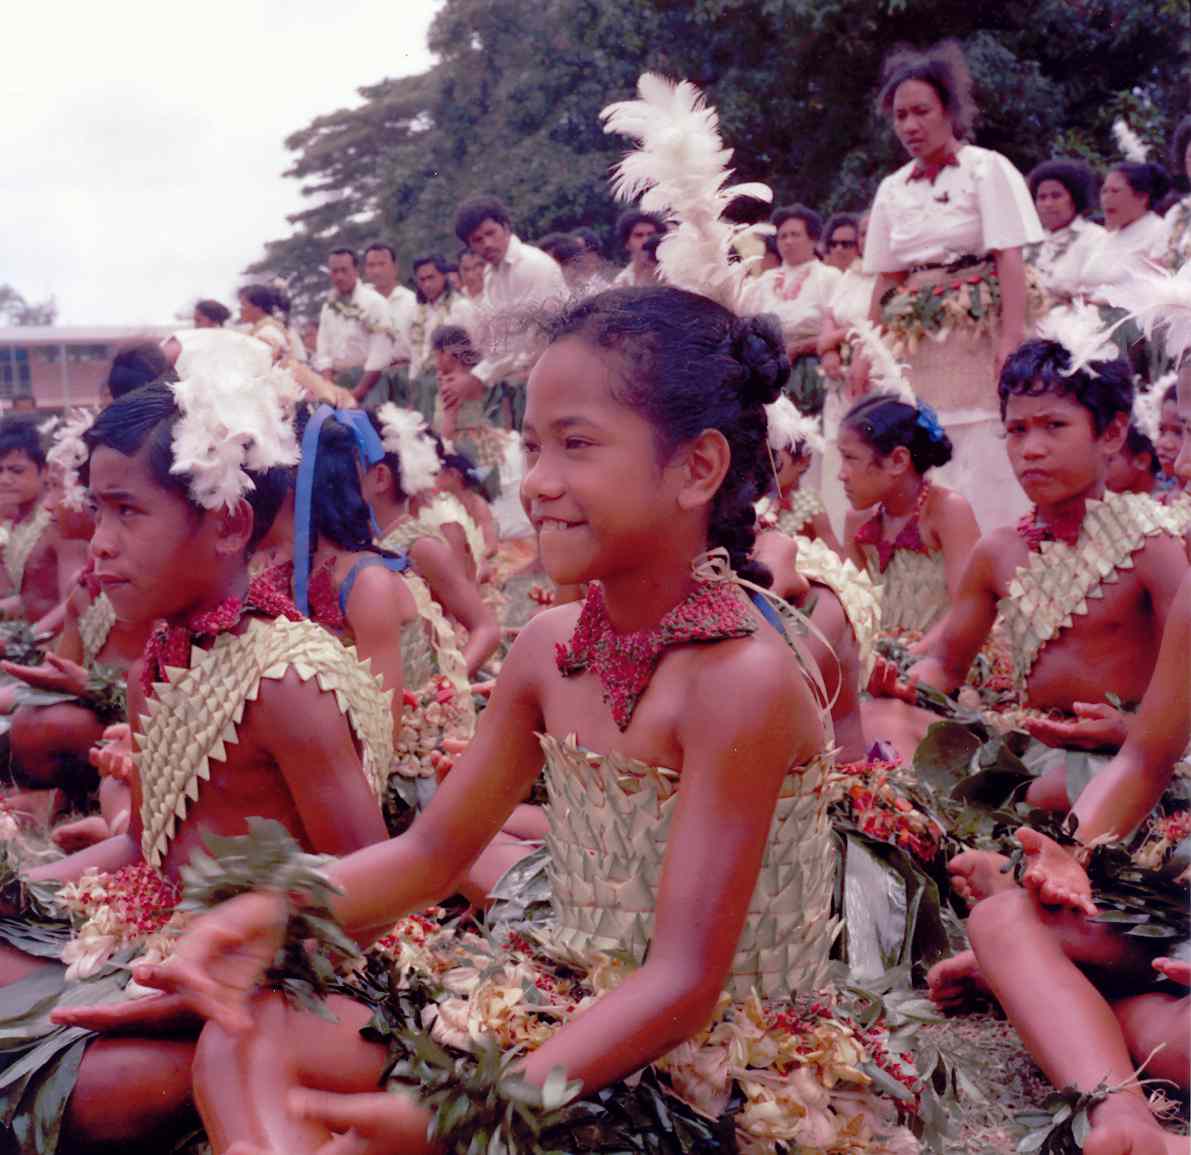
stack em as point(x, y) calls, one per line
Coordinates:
point(1065, 528)
point(171, 645)
point(909, 537)
point(625, 663)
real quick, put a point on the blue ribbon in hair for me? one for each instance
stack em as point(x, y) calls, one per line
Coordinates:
point(928, 419)
point(371, 451)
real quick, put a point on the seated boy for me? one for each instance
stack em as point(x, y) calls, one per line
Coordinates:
point(1083, 584)
point(38, 564)
point(241, 709)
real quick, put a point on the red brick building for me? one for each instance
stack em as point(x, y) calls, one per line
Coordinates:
point(56, 366)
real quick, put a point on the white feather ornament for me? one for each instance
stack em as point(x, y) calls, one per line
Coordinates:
point(403, 432)
point(680, 172)
point(886, 372)
point(230, 426)
point(1081, 331)
point(1132, 147)
point(1147, 407)
point(1160, 302)
point(70, 454)
point(788, 427)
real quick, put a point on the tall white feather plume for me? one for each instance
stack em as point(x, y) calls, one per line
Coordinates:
point(230, 425)
point(886, 373)
point(680, 172)
point(70, 454)
point(1147, 407)
point(1079, 329)
point(403, 432)
point(788, 428)
point(1160, 302)
point(1132, 147)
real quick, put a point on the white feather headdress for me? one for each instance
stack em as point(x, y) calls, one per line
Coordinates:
point(1159, 302)
point(788, 427)
point(230, 425)
point(1147, 407)
point(403, 432)
point(70, 454)
point(1132, 147)
point(886, 372)
point(680, 172)
point(1080, 330)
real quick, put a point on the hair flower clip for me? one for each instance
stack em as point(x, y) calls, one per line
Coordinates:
point(928, 419)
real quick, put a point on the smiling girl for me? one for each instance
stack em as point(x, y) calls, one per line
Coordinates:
point(673, 717)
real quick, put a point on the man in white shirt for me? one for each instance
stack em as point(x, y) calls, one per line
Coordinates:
point(382, 272)
point(518, 278)
point(355, 334)
point(633, 229)
point(439, 304)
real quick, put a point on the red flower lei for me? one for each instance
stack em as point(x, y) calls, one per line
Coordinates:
point(625, 663)
point(1034, 533)
point(170, 645)
point(908, 537)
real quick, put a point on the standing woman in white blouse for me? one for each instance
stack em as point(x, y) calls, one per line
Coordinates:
point(945, 239)
point(1135, 235)
point(1178, 216)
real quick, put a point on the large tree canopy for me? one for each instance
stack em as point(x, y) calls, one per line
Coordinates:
point(511, 105)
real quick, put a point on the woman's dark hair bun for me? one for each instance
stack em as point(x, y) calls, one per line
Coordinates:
point(756, 342)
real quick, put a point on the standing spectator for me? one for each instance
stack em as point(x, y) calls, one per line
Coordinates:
point(633, 229)
point(382, 272)
point(1178, 216)
point(1064, 193)
point(518, 278)
point(438, 304)
point(950, 224)
point(1135, 234)
point(354, 342)
point(209, 314)
point(471, 273)
point(259, 311)
point(798, 292)
point(592, 261)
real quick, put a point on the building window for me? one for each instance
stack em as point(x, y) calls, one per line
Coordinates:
point(80, 354)
point(15, 378)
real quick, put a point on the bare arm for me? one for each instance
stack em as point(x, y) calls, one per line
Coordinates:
point(965, 627)
point(1011, 272)
point(459, 597)
point(957, 531)
point(885, 282)
point(853, 520)
point(110, 854)
point(377, 607)
point(311, 741)
point(69, 644)
point(825, 533)
point(746, 710)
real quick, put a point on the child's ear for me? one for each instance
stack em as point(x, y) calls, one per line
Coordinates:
point(1112, 440)
point(234, 529)
point(705, 465)
point(899, 458)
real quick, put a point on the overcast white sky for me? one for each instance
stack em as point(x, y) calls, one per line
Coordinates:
point(141, 140)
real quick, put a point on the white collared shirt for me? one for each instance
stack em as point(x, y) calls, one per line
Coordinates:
point(799, 295)
point(1062, 257)
point(1119, 253)
point(977, 206)
point(353, 342)
point(525, 279)
point(853, 294)
point(403, 305)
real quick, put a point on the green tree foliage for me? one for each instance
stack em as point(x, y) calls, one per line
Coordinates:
point(511, 105)
point(15, 310)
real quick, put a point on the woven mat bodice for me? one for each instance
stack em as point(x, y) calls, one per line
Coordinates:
point(22, 540)
point(95, 624)
point(861, 599)
point(913, 589)
point(609, 821)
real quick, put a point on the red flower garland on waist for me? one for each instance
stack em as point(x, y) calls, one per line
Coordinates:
point(624, 664)
point(171, 645)
point(909, 537)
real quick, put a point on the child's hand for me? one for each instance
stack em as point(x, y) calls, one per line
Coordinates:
point(370, 1124)
point(113, 759)
point(154, 1014)
point(886, 682)
point(56, 674)
point(1097, 726)
point(1053, 875)
point(1174, 969)
point(858, 376)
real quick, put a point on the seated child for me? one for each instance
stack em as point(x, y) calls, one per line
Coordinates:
point(1083, 584)
point(1080, 993)
point(461, 419)
point(241, 709)
point(1134, 467)
point(1172, 431)
point(409, 469)
point(39, 564)
point(673, 716)
point(794, 510)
